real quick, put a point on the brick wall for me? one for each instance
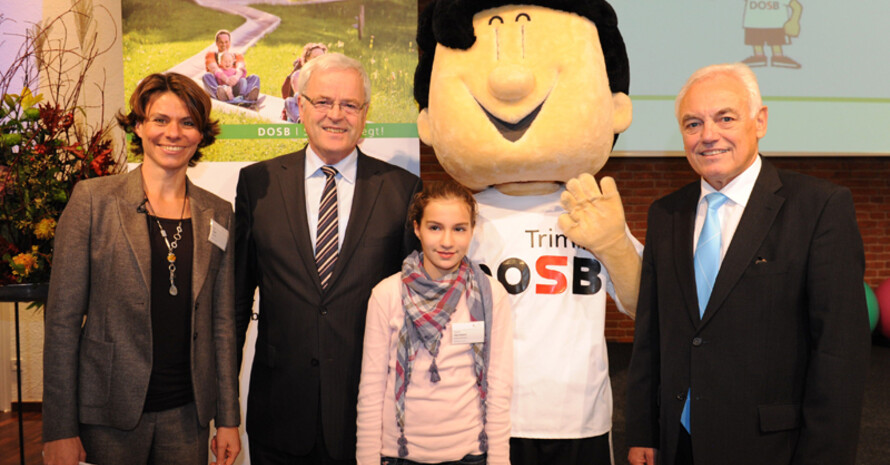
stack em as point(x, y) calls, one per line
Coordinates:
point(642, 180)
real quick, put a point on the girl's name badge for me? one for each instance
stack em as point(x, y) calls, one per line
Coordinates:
point(468, 333)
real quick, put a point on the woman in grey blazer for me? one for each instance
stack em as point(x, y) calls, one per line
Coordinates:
point(140, 351)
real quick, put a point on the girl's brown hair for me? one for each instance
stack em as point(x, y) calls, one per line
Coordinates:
point(447, 189)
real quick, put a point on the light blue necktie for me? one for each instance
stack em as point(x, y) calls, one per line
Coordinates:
point(707, 264)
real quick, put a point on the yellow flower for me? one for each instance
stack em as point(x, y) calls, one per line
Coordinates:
point(29, 99)
point(45, 229)
point(27, 261)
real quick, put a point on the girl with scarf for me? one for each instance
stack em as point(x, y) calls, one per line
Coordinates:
point(437, 369)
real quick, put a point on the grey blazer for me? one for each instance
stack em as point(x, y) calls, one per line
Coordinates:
point(97, 350)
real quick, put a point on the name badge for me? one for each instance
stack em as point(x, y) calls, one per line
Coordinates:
point(468, 333)
point(219, 236)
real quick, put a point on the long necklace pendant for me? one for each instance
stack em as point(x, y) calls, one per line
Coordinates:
point(171, 246)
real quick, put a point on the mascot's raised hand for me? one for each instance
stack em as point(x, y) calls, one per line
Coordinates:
point(594, 219)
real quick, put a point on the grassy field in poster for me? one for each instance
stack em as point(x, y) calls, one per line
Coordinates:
point(386, 50)
point(153, 42)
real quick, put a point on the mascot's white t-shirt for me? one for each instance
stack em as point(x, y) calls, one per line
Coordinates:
point(766, 14)
point(558, 291)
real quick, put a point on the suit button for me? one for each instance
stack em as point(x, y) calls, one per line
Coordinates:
point(681, 397)
point(324, 311)
point(314, 362)
point(696, 341)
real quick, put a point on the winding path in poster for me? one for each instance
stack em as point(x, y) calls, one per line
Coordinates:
point(256, 26)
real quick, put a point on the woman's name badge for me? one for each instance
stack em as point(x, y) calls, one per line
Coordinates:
point(468, 333)
point(219, 235)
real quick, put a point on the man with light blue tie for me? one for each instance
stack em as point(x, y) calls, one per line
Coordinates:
point(751, 342)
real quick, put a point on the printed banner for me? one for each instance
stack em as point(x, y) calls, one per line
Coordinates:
point(258, 117)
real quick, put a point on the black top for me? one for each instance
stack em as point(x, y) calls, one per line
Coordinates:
point(170, 385)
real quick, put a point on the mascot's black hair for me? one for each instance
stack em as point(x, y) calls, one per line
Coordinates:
point(450, 23)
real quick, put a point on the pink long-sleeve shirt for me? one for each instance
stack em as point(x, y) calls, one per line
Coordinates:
point(442, 420)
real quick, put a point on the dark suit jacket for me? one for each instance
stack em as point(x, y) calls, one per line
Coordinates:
point(777, 366)
point(309, 342)
point(99, 374)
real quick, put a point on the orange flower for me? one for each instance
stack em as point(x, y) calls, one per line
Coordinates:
point(45, 229)
point(27, 261)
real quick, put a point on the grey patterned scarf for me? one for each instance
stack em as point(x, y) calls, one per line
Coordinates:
point(428, 306)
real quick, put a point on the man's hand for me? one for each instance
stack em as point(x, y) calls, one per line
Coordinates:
point(641, 456)
point(595, 219)
point(68, 451)
point(226, 445)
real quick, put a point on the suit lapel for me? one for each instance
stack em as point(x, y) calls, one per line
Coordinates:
point(292, 179)
point(134, 223)
point(756, 221)
point(683, 227)
point(201, 216)
point(367, 187)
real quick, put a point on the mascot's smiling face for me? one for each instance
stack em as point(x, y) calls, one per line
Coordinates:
point(527, 105)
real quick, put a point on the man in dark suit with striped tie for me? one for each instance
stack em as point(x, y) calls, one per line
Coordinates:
point(315, 231)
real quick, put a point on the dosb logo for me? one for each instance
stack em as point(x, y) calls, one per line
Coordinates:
point(763, 5)
point(551, 268)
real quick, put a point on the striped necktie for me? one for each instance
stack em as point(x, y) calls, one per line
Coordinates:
point(326, 241)
point(707, 264)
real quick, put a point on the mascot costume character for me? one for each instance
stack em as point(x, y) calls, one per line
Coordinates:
point(523, 102)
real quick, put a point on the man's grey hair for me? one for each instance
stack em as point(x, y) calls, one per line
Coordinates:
point(333, 60)
point(738, 70)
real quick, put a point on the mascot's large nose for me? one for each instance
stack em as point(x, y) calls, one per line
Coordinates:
point(511, 82)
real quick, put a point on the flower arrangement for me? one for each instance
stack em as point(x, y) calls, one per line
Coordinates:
point(46, 146)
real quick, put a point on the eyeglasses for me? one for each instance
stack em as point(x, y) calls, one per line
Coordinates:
point(323, 105)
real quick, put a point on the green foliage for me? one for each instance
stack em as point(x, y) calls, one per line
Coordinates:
point(48, 143)
point(42, 155)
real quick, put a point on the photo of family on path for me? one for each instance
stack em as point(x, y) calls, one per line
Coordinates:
point(247, 56)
